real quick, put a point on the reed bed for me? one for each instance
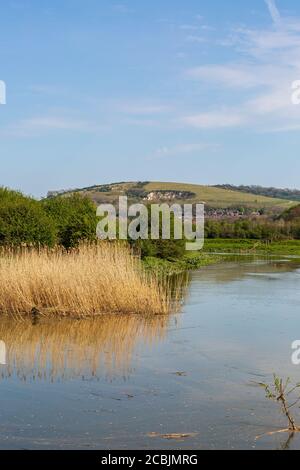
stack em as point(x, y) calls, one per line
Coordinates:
point(94, 279)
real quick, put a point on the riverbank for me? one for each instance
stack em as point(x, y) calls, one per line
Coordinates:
point(246, 246)
point(196, 369)
point(212, 254)
point(191, 261)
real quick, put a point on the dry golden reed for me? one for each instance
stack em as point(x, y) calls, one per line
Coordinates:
point(91, 280)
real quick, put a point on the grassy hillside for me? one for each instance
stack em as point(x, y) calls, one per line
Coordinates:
point(281, 193)
point(216, 197)
point(181, 192)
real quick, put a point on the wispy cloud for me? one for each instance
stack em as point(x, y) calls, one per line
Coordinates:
point(182, 149)
point(35, 126)
point(231, 75)
point(262, 78)
point(141, 108)
point(214, 119)
point(188, 27)
point(121, 8)
point(196, 39)
point(274, 12)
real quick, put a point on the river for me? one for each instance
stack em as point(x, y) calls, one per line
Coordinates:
point(129, 382)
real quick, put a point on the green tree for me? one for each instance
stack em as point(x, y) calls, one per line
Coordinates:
point(74, 217)
point(24, 221)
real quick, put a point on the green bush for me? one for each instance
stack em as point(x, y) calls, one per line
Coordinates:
point(74, 217)
point(24, 221)
point(164, 249)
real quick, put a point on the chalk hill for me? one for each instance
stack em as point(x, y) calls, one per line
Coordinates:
point(214, 197)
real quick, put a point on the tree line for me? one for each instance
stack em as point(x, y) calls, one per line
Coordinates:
point(256, 229)
point(68, 220)
point(59, 221)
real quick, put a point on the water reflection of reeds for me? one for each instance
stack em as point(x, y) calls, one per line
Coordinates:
point(89, 348)
point(70, 348)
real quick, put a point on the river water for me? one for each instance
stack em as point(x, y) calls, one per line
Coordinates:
point(127, 382)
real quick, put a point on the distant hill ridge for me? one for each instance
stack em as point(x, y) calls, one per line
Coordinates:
point(225, 197)
point(281, 193)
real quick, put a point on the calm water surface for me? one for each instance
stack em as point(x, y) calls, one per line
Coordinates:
point(110, 383)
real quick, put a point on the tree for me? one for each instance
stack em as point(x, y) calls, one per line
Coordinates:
point(24, 221)
point(74, 217)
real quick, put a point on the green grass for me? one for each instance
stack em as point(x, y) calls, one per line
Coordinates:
point(190, 261)
point(286, 247)
point(221, 198)
point(209, 255)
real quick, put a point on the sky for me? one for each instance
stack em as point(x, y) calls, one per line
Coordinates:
point(101, 91)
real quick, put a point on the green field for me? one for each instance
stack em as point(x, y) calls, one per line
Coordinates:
point(284, 248)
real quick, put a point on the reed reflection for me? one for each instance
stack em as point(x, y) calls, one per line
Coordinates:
point(52, 350)
point(2, 353)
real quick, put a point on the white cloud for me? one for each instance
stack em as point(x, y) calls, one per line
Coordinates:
point(235, 75)
point(261, 44)
point(271, 102)
point(214, 119)
point(188, 27)
point(140, 108)
point(287, 128)
point(206, 27)
point(121, 8)
point(183, 149)
point(140, 122)
point(196, 39)
point(274, 12)
point(43, 124)
point(262, 78)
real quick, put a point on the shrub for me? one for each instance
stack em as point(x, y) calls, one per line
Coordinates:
point(24, 221)
point(165, 249)
point(74, 217)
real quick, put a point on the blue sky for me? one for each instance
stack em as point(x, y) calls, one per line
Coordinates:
point(196, 91)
